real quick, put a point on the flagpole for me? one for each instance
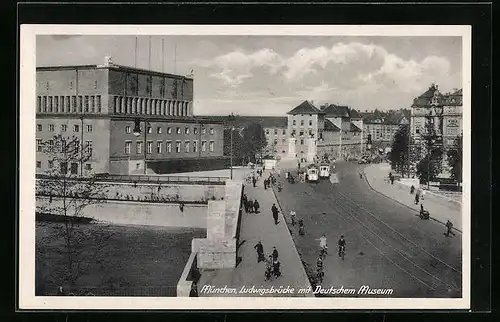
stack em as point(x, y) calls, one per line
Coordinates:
point(163, 55)
point(149, 57)
point(135, 53)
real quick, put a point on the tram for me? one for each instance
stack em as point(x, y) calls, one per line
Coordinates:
point(324, 171)
point(312, 174)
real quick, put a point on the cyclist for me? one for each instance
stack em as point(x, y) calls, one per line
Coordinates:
point(341, 244)
point(322, 244)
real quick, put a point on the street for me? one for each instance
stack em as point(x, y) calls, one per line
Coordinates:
point(388, 247)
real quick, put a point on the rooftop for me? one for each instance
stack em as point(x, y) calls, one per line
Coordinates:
point(111, 67)
point(240, 121)
point(305, 107)
point(333, 110)
point(329, 126)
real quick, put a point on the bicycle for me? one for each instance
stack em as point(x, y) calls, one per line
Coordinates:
point(342, 252)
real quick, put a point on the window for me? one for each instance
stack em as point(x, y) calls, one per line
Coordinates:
point(203, 146)
point(148, 84)
point(128, 144)
point(88, 145)
point(98, 101)
point(267, 131)
point(212, 130)
point(178, 146)
point(204, 131)
point(159, 144)
point(68, 104)
point(51, 145)
point(275, 131)
point(138, 147)
point(39, 145)
point(73, 98)
point(89, 128)
point(39, 164)
point(195, 131)
point(39, 127)
point(186, 130)
point(169, 147)
point(50, 164)
point(302, 141)
point(127, 129)
point(150, 147)
point(211, 146)
point(186, 146)
point(195, 146)
point(301, 122)
point(150, 130)
point(70, 85)
point(80, 104)
point(294, 122)
point(310, 122)
point(39, 103)
point(74, 168)
point(178, 130)
point(301, 133)
point(275, 141)
point(284, 132)
point(76, 128)
point(86, 103)
point(158, 130)
point(56, 104)
point(44, 103)
point(169, 130)
point(88, 166)
point(64, 128)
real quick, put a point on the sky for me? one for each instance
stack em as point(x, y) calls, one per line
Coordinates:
point(270, 75)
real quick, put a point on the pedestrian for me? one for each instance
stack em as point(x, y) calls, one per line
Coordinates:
point(275, 212)
point(265, 184)
point(260, 252)
point(449, 226)
point(256, 206)
point(254, 181)
point(276, 268)
point(293, 216)
point(244, 199)
point(423, 194)
point(275, 253)
point(392, 179)
point(417, 197)
point(412, 190)
point(250, 206)
point(181, 207)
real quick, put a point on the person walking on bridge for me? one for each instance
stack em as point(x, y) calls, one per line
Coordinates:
point(275, 212)
point(260, 252)
point(449, 226)
point(256, 206)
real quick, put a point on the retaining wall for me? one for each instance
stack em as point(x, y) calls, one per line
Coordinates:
point(136, 213)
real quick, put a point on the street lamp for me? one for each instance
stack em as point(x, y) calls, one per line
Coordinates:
point(137, 133)
point(429, 155)
point(231, 158)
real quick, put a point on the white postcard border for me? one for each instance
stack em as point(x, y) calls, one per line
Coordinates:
point(26, 229)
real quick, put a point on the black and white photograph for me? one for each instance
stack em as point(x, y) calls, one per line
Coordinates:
point(322, 166)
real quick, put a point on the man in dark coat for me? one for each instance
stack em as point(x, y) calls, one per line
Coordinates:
point(275, 253)
point(250, 206)
point(254, 181)
point(449, 226)
point(275, 212)
point(260, 252)
point(256, 206)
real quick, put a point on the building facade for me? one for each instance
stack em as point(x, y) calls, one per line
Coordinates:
point(383, 128)
point(442, 111)
point(99, 105)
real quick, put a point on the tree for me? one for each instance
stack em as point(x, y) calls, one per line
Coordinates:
point(455, 159)
point(62, 192)
point(399, 150)
point(237, 144)
point(254, 140)
point(431, 165)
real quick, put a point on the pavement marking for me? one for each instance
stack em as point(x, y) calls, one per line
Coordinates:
point(395, 264)
point(395, 231)
point(400, 251)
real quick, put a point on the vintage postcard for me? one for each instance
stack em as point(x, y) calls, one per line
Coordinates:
point(245, 167)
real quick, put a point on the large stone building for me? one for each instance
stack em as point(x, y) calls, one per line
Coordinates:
point(99, 104)
point(382, 127)
point(442, 111)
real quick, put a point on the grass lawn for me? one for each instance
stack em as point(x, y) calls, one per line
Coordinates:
point(137, 260)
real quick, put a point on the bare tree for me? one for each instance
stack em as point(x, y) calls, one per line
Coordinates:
point(64, 193)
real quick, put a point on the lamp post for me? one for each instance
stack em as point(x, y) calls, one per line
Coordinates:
point(231, 157)
point(137, 132)
point(429, 155)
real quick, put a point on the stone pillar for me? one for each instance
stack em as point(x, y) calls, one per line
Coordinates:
point(311, 149)
point(291, 148)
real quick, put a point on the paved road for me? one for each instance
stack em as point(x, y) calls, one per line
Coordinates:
point(388, 247)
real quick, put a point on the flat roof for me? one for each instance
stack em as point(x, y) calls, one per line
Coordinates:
point(112, 67)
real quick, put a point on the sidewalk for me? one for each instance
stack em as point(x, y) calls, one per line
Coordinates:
point(440, 208)
point(248, 272)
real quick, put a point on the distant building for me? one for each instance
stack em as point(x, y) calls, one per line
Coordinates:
point(443, 111)
point(99, 104)
point(382, 127)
